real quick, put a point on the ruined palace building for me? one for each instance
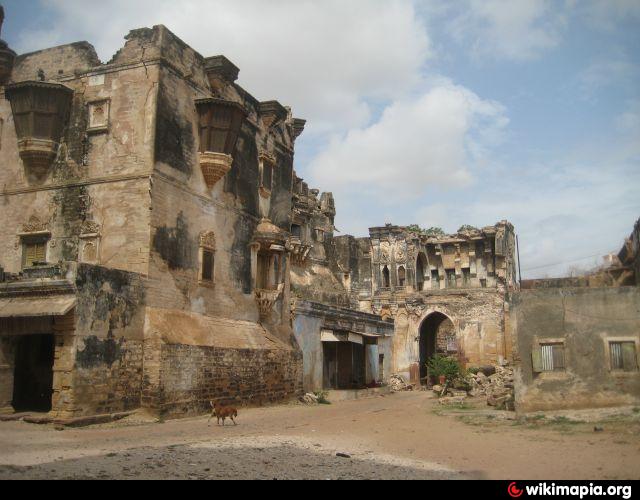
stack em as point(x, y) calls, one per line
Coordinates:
point(159, 251)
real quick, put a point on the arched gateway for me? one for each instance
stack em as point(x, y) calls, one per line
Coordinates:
point(437, 336)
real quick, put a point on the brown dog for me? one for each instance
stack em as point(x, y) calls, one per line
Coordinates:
point(222, 412)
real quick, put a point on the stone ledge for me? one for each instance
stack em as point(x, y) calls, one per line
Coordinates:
point(45, 418)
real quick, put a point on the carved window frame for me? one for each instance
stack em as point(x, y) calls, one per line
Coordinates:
point(90, 236)
point(103, 127)
point(266, 161)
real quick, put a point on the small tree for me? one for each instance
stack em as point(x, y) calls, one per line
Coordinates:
point(444, 366)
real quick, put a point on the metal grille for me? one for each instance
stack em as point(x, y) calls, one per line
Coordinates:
point(552, 357)
point(623, 356)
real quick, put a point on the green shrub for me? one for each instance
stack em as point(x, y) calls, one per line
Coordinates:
point(444, 365)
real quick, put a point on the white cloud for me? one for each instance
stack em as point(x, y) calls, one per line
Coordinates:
point(513, 30)
point(326, 59)
point(434, 139)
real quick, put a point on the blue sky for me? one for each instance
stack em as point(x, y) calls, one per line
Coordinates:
point(426, 112)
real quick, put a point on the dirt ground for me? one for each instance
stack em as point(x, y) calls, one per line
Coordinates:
point(401, 436)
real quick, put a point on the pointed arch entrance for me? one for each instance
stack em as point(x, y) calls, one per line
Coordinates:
point(435, 337)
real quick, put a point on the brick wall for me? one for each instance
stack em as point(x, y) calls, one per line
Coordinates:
point(191, 376)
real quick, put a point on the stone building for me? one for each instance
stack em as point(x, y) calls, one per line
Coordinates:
point(445, 293)
point(145, 212)
point(578, 339)
point(344, 348)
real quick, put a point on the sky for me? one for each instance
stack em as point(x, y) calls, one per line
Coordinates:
point(426, 112)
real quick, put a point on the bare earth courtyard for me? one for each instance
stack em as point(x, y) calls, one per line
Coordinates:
point(400, 436)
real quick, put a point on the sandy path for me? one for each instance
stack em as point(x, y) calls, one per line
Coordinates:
point(393, 437)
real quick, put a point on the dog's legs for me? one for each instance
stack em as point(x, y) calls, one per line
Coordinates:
point(233, 420)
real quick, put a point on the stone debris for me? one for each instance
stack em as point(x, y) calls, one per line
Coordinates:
point(497, 388)
point(309, 399)
point(398, 384)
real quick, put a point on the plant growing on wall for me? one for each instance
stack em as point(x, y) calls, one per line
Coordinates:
point(432, 231)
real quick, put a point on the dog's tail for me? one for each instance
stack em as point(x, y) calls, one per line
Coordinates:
point(213, 406)
point(235, 412)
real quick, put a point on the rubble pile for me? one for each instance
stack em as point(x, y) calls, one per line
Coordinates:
point(398, 384)
point(495, 383)
point(496, 387)
point(309, 399)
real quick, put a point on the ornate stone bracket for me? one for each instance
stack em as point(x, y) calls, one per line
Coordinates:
point(298, 250)
point(214, 167)
point(266, 299)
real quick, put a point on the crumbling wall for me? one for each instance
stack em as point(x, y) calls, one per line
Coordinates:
point(584, 320)
point(478, 318)
point(108, 341)
point(192, 359)
point(56, 62)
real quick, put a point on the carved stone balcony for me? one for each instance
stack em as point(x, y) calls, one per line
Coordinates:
point(40, 112)
point(214, 167)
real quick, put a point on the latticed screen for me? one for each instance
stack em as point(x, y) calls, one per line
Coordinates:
point(34, 252)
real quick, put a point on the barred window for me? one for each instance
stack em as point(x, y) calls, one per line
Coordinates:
point(623, 356)
point(548, 358)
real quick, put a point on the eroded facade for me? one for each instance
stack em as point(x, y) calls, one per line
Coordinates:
point(144, 238)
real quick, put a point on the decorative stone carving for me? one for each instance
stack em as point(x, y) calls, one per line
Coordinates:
point(415, 309)
point(221, 72)
point(90, 228)
point(272, 113)
point(214, 167)
point(35, 225)
point(266, 299)
point(401, 255)
point(268, 234)
point(99, 116)
point(298, 250)
point(298, 125)
point(208, 240)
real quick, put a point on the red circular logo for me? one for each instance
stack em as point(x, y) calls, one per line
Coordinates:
point(514, 491)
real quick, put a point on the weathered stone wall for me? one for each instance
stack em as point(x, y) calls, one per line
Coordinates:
point(311, 318)
point(478, 318)
point(585, 320)
point(192, 376)
point(108, 341)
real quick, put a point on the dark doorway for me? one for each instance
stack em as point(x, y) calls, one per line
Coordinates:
point(33, 375)
point(344, 366)
point(428, 344)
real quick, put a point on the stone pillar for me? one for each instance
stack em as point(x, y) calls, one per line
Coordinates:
point(63, 403)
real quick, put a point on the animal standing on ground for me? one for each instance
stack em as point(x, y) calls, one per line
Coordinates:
point(222, 412)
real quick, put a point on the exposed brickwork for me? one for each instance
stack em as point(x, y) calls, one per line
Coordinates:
point(194, 375)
